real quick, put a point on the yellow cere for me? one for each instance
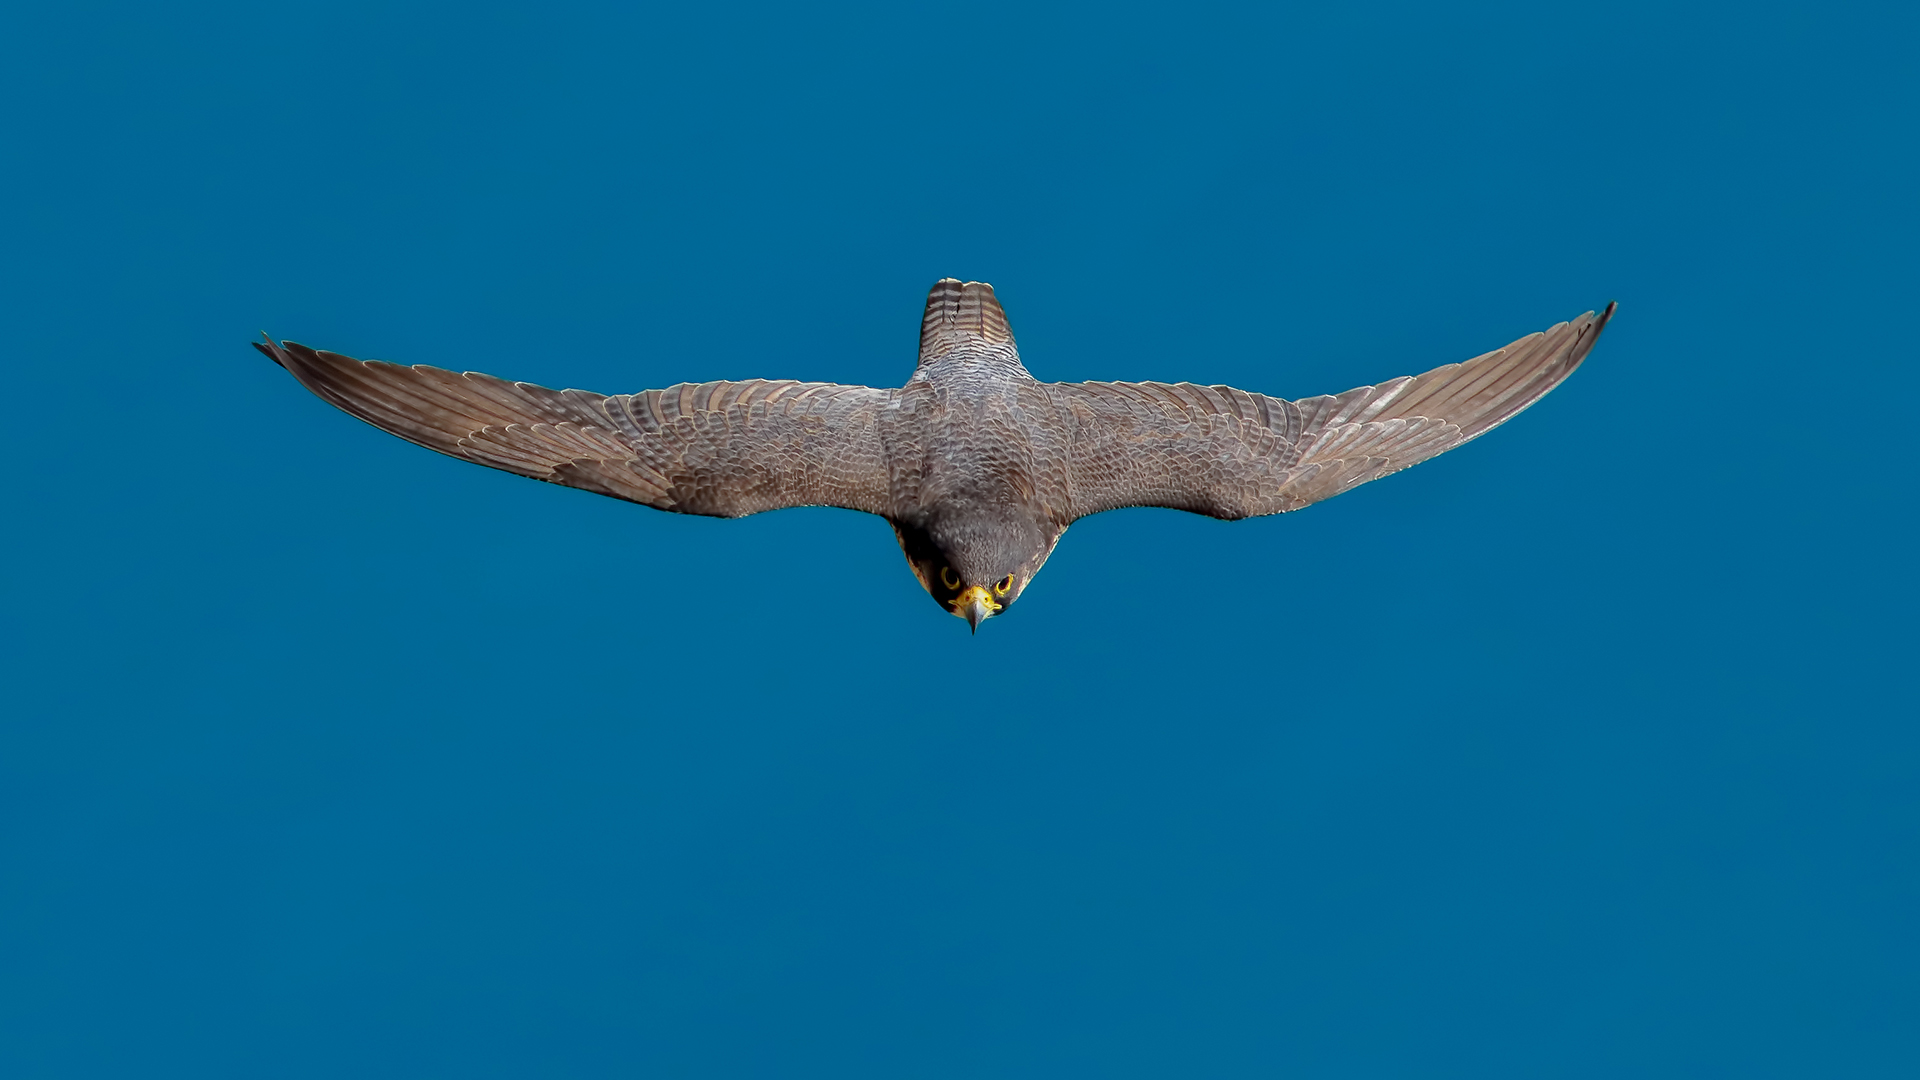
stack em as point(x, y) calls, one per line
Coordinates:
point(961, 603)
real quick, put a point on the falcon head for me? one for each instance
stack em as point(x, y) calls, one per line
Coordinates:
point(975, 570)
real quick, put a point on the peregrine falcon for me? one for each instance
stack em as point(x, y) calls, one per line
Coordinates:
point(978, 466)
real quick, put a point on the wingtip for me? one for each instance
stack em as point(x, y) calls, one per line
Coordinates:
point(268, 348)
point(1600, 321)
point(1589, 335)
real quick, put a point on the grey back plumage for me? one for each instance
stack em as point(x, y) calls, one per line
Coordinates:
point(978, 466)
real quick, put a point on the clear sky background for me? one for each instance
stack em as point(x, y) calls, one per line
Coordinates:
point(1587, 750)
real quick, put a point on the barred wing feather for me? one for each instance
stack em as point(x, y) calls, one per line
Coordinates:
point(723, 449)
point(1228, 453)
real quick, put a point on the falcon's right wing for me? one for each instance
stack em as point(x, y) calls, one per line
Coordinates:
point(723, 449)
point(1228, 453)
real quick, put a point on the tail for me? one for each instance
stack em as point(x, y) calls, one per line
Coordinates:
point(961, 314)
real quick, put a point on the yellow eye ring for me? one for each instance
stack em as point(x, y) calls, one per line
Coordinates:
point(949, 578)
point(1003, 585)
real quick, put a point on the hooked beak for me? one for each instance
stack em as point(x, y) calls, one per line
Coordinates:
point(975, 605)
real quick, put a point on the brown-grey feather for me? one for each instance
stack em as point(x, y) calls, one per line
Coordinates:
point(724, 449)
point(1229, 453)
point(971, 446)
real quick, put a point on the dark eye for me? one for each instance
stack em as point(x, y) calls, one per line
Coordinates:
point(949, 578)
point(1003, 585)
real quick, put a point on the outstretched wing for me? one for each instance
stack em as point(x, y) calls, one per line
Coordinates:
point(1230, 454)
point(724, 449)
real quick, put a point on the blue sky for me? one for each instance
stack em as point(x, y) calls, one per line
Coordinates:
point(1586, 750)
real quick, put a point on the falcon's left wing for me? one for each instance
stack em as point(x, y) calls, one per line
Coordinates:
point(1228, 453)
point(723, 449)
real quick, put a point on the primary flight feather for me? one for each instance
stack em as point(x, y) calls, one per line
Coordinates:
point(978, 466)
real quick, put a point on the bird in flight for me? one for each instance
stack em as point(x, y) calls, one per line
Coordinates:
point(978, 466)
